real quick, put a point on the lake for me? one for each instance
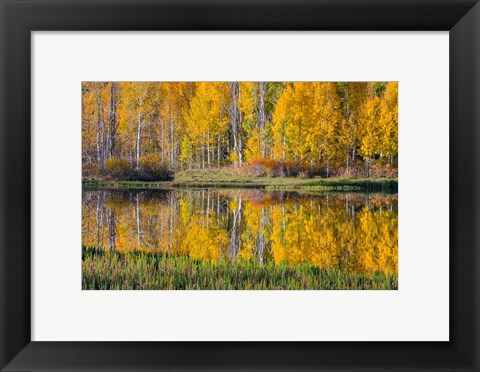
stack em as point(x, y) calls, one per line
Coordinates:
point(352, 232)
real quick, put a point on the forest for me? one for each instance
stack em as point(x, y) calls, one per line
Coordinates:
point(154, 131)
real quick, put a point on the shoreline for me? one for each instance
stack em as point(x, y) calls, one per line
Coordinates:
point(389, 185)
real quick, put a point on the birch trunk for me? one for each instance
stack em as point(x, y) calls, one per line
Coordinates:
point(137, 144)
point(262, 120)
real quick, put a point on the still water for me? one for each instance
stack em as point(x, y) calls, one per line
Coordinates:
point(352, 231)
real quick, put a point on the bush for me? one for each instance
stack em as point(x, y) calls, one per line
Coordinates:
point(290, 169)
point(151, 168)
point(260, 167)
point(118, 168)
point(89, 170)
point(379, 170)
point(356, 170)
point(310, 170)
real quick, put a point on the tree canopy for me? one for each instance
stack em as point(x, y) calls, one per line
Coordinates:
point(318, 128)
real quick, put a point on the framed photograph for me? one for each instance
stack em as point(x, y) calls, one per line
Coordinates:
point(239, 185)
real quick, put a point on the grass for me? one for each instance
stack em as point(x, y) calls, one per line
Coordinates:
point(220, 178)
point(143, 270)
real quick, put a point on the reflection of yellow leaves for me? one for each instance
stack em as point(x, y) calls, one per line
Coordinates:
point(246, 254)
point(293, 229)
point(203, 243)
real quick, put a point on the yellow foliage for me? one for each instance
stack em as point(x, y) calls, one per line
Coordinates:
point(203, 124)
point(350, 231)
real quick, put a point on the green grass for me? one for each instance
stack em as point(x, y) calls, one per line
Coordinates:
point(221, 178)
point(141, 270)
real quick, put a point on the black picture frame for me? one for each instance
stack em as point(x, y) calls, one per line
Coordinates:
point(18, 18)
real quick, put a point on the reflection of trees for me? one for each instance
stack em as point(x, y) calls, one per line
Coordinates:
point(99, 217)
point(353, 231)
point(111, 230)
point(235, 232)
point(137, 219)
point(261, 243)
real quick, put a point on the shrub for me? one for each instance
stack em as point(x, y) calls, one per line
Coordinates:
point(89, 170)
point(310, 169)
point(379, 170)
point(290, 168)
point(118, 168)
point(151, 168)
point(260, 167)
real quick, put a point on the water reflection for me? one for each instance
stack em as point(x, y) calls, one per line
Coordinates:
point(357, 232)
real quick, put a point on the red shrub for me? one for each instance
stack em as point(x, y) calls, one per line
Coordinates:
point(260, 167)
point(379, 170)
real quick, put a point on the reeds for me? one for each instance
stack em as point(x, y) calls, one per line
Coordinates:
point(143, 270)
